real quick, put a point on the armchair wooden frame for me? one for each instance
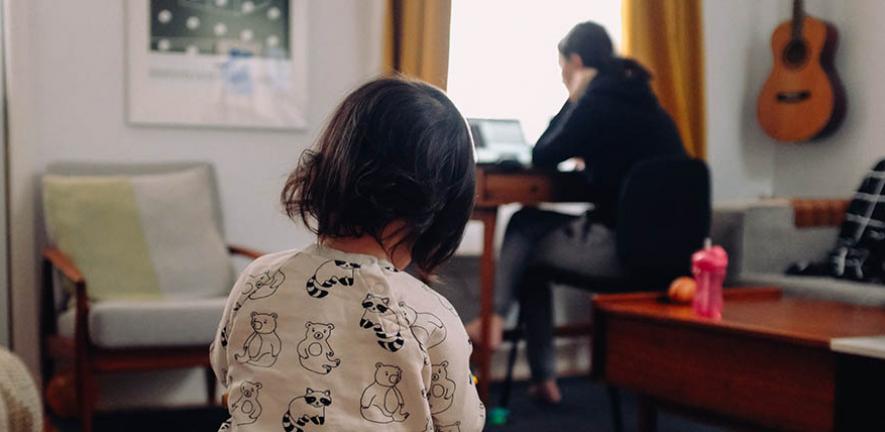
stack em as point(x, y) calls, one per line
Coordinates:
point(86, 359)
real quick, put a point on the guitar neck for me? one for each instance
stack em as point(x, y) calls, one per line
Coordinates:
point(798, 18)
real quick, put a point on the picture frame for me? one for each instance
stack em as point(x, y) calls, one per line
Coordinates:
point(217, 63)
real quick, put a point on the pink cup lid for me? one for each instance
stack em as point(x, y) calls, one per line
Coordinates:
point(710, 259)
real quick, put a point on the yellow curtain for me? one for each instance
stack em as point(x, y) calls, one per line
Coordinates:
point(666, 36)
point(416, 39)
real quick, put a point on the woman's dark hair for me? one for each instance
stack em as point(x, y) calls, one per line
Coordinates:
point(395, 150)
point(590, 41)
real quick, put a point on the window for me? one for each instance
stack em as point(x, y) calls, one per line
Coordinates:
point(503, 61)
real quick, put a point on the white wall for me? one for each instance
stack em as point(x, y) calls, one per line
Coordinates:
point(67, 103)
point(737, 60)
point(745, 162)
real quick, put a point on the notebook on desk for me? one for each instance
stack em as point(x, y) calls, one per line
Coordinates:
point(500, 142)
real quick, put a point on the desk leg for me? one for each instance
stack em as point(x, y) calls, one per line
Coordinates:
point(648, 415)
point(489, 217)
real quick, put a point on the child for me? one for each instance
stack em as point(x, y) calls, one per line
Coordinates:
point(336, 337)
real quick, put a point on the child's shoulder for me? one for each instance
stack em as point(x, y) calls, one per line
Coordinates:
point(284, 261)
point(417, 293)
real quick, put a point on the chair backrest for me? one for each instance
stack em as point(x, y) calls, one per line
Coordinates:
point(129, 169)
point(663, 216)
point(156, 226)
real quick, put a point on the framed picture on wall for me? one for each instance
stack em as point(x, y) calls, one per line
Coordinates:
point(218, 63)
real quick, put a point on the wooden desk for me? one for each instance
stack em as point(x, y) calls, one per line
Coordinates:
point(493, 189)
point(766, 364)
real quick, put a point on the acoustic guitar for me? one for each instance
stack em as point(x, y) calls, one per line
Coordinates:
point(803, 98)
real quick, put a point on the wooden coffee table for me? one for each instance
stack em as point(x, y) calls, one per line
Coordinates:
point(766, 363)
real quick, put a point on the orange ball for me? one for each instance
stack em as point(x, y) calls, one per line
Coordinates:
point(682, 289)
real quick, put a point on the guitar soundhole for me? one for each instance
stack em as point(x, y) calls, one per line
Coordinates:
point(793, 96)
point(795, 54)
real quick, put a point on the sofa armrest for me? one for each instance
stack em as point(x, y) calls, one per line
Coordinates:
point(244, 251)
point(771, 240)
point(56, 259)
point(64, 265)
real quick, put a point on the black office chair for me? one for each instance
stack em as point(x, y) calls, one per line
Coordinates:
point(663, 217)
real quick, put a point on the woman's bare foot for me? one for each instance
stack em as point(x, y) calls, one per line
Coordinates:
point(474, 331)
point(546, 391)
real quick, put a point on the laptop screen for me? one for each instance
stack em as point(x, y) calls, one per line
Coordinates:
point(499, 140)
point(492, 133)
point(498, 132)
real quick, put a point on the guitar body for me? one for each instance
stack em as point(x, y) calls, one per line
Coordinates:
point(803, 98)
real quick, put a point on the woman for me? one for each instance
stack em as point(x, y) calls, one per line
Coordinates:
point(611, 121)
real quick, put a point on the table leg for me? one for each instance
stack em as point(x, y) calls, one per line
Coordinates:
point(487, 293)
point(860, 390)
point(614, 399)
point(648, 415)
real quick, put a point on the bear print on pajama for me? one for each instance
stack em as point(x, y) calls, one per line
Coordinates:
point(382, 402)
point(314, 352)
point(262, 347)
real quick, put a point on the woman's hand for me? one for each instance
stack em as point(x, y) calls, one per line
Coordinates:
point(577, 85)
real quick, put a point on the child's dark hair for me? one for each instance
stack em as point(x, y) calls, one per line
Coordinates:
point(395, 150)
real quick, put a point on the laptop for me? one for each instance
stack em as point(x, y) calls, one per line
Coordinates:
point(500, 142)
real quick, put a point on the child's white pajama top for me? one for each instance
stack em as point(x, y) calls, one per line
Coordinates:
point(322, 340)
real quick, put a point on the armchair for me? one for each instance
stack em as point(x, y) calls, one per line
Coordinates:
point(165, 326)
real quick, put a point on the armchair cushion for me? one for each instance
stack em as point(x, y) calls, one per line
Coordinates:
point(147, 236)
point(138, 324)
